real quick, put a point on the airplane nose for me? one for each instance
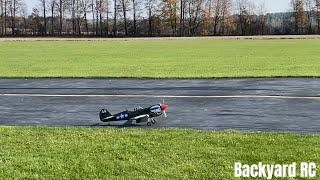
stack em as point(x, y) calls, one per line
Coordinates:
point(164, 107)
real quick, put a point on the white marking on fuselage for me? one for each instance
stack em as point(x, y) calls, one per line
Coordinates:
point(159, 96)
point(110, 117)
point(141, 116)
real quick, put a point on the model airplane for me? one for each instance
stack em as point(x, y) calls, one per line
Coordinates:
point(139, 115)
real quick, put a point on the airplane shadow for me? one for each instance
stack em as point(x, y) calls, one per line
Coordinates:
point(116, 125)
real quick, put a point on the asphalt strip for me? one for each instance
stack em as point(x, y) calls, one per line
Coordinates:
point(270, 104)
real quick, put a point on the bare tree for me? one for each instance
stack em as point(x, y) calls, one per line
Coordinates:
point(61, 9)
point(216, 12)
point(101, 10)
point(79, 17)
point(299, 16)
point(35, 23)
point(84, 5)
point(73, 15)
point(2, 16)
point(24, 16)
point(134, 12)
point(97, 16)
point(225, 15)
point(244, 16)
point(101, 7)
point(92, 5)
point(13, 9)
point(207, 17)
point(182, 16)
point(317, 6)
point(261, 17)
point(115, 18)
point(194, 12)
point(217, 15)
point(5, 16)
point(124, 9)
point(52, 9)
point(14, 6)
point(106, 10)
point(169, 13)
point(150, 6)
point(309, 8)
point(43, 5)
point(76, 16)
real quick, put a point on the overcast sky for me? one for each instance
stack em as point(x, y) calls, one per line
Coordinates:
point(271, 5)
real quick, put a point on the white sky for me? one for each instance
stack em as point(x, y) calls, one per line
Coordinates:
point(271, 5)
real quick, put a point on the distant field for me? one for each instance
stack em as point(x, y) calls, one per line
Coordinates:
point(184, 58)
point(107, 153)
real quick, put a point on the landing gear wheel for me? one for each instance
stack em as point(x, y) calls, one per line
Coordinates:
point(153, 121)
point(149, 123)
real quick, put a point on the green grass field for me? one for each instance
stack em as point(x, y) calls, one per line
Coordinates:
point(104, 153)
point(161, 58)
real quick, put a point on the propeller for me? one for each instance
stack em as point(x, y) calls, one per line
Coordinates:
point(164, 106)
point(165, 114)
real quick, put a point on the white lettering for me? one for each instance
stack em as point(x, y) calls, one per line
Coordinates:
point(237, 169)
point(308, 169)
point(246, 170)
point(304, 169)
point(254, 170)
point(292, 170)
point(278, 170)
point(270, 171)
point(312, 169)
point(262, 170)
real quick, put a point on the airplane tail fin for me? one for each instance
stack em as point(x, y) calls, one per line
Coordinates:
point(104, 114)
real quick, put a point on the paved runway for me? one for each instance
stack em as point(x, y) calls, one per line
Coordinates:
point(291, 104)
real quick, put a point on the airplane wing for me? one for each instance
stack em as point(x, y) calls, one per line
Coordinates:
point(141, 118)
point(128, 123)
point(138, 119)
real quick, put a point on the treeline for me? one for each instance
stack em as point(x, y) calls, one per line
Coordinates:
point(155, 18)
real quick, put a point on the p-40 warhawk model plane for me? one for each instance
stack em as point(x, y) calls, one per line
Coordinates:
point(139, 115)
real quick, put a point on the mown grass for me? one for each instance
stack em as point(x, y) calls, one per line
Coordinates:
point(107, 153)
point(185, 58)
